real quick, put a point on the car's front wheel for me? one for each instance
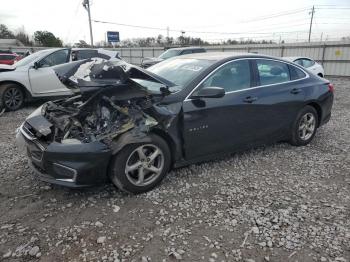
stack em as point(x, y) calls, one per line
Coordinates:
point(138, 168)
point(11, 97)
point(304, 127)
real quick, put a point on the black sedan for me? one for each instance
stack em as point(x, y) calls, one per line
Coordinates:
point(132, 126)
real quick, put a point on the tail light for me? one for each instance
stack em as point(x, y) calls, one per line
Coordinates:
point(331, 87)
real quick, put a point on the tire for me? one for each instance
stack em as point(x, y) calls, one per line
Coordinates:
point(11, 97)
point(127, 165)
point(304, 127)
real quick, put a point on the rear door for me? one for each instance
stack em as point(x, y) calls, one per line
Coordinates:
point(280, 96)
point(43, 79)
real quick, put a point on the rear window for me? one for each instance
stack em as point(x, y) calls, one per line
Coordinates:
point(272, 72)
point(7, 57)
point(296, 73)
point(198, 51)
point(308, 63)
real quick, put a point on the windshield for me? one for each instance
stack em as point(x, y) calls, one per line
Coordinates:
point(32, 57)
point(180, 71)
point(169, 53)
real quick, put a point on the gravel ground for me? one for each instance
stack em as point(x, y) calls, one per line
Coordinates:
point(279, 203)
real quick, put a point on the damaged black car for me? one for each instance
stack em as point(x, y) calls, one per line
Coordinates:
point(131, 126)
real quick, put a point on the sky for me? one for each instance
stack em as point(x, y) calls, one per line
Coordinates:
point(211, 20)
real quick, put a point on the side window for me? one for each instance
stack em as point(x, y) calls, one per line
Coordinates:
point(85, 54)
point(56, 58)
point(308, 63)
point(272, 72)
point(198, 51)
point(233, 76)
point(186, 52)
point(299, 62)
point(295, 73)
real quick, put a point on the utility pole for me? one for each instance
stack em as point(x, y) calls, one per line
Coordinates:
point(86, 4)
point(312, 18)
point(183, 38)
point(167, 32)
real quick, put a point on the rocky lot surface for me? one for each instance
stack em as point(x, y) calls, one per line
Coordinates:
point(278, 203)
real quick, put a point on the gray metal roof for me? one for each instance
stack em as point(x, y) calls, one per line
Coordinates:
point(10, 42)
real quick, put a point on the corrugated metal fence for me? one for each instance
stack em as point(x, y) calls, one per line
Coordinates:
point(334, 56)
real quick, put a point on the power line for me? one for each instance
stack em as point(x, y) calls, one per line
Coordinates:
point(188, 31)
point(271, 16)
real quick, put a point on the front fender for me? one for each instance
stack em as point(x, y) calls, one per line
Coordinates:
point(128, 138)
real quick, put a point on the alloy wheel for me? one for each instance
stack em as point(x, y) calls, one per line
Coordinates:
point(307, 126)
point(144, 165)
point(13, 98)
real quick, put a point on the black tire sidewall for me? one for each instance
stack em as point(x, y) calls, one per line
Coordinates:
point(296, 140)
point(3, 90)
point(118, 162)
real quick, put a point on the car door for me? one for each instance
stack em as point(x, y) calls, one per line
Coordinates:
point(280, 97)
point(43, 80)
point(214, 125)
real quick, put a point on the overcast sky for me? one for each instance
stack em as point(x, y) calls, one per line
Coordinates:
point(68, 20)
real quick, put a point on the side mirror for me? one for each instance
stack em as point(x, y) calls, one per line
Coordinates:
point(209, 92)
point(36, 65)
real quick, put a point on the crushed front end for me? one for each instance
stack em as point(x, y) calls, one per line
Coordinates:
point(70, 141)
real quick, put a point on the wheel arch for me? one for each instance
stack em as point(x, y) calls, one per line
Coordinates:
point(170, 142)
point(27, 95)
point(128, 138)
point(318, 110)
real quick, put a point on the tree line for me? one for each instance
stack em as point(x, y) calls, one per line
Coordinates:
point(39, 38)
point(48, 39)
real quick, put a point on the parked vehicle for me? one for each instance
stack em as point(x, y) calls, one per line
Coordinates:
point(34, 76)
point(308, 63)
point(9, 59)
point(133, 125)
point(149, 61)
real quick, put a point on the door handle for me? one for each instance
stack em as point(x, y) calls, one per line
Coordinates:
point(295, 91)
point(250, 99)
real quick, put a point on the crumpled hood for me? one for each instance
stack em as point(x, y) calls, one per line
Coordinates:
point(91, 75)
point(151, 60)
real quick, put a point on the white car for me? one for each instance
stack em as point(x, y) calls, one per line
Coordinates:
point(308, 63)
point(34, 77)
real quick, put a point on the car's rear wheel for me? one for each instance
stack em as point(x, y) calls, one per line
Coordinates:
point(11, 97)
point(138, 168)
point(304, 126)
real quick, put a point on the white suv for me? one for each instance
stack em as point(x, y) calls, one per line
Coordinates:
point(34, 77)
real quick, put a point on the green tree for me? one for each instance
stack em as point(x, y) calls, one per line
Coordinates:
point(5, 32)
point(45, 38)
point(23, 37)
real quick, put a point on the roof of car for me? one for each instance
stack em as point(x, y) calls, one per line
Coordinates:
point(293, 58)
point(216, 56)
point(186, 48)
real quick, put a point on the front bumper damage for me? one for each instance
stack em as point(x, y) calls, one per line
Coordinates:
point(70, 142)
point(77, 165)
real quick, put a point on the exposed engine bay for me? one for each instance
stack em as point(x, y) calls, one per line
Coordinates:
point(108, 103)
